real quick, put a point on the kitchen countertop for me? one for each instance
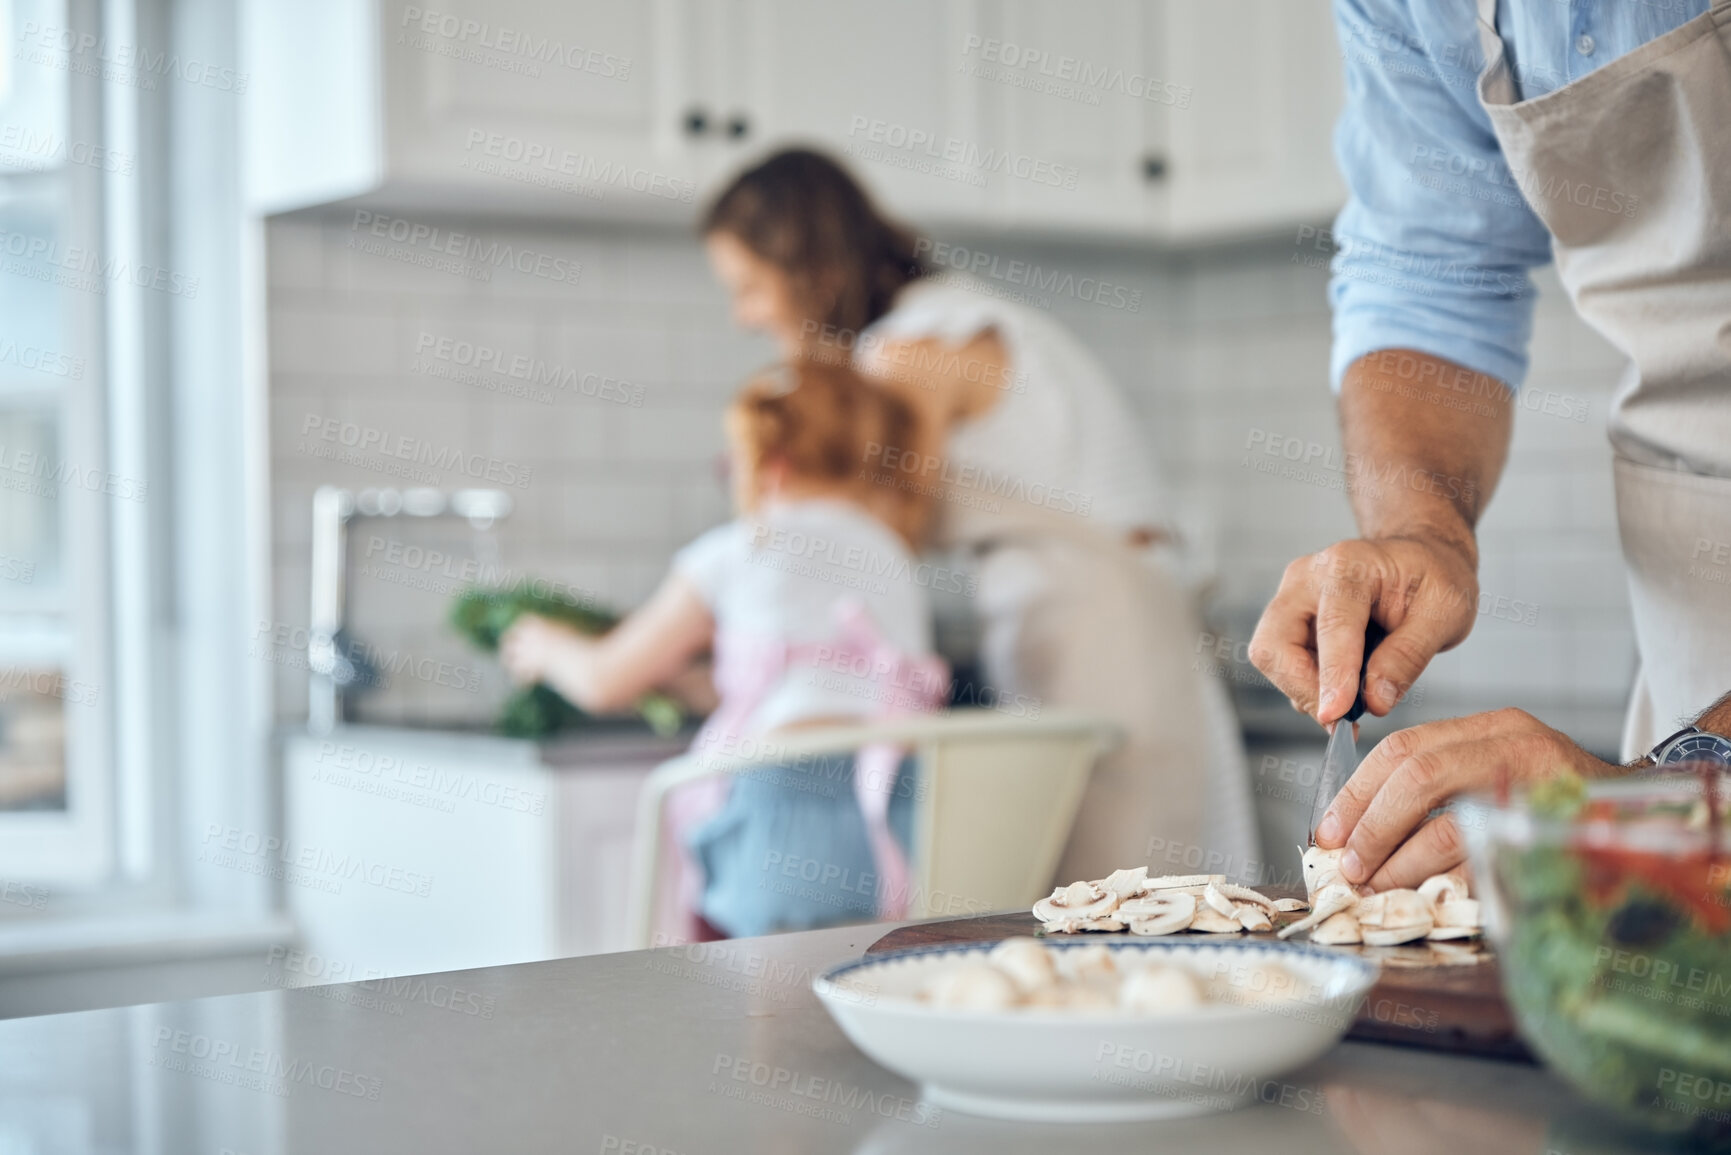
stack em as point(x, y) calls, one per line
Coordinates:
point(604, 743)
point(636, 1053)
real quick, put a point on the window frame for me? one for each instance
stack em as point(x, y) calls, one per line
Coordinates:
point(74, 847)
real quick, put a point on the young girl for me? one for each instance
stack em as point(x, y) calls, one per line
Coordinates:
point(811, 604)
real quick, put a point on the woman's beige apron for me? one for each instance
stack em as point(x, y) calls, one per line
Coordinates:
point(1073, 618)
point(1630, 169)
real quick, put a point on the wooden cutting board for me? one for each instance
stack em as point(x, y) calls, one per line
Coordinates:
point(1459, 1009)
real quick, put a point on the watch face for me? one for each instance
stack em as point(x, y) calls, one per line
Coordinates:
point(1708, 748)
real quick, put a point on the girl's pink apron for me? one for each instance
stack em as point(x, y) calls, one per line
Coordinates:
point(747, 668)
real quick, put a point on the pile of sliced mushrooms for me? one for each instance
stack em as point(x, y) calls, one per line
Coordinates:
point(1128, 900)
point(1024, 973)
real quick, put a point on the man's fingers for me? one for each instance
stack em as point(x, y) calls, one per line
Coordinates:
point(1342, 611)
point(1397, 662)
point(1435, 848)
point(1422, 780)
point(1281, 645)
point(1350, 804)
point(1355, 797)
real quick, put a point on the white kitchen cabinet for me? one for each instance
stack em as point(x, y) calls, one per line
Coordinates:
point(405, 851)
point(578, 78)
point(878, 84)
point(1162, 120)
point(558, 110)
point(1254, 151)
point(1181, 121)
point(1069, 85)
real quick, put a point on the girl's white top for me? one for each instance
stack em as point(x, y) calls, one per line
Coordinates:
point(780, 574)
point(1061, 439)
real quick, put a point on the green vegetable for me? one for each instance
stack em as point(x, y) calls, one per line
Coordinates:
point(483, 615)
point(1559, 797)
point(1618, 979)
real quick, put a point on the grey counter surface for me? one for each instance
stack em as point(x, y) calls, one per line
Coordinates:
point(637, 1054)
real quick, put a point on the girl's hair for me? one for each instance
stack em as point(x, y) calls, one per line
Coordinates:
point(801, 211)
point(826, 423)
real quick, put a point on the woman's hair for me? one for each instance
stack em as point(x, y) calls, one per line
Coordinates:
point(801, 211)
point(824, 423)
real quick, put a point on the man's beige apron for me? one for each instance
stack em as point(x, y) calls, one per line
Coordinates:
point(1630, 169)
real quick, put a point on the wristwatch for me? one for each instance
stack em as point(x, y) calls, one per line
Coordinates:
point(1689, 746)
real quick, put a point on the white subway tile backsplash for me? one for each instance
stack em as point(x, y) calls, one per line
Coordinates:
point(294, 256)
point(671, 434)
point(664, 270)
point(349, 340)
point(359, 264)
point(616, 510)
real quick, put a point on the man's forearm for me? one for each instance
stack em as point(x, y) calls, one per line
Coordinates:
point(1428, 439)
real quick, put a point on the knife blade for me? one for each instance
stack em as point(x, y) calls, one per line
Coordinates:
point(1340, 756)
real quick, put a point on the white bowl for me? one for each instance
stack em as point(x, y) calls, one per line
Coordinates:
point(1067, 1066)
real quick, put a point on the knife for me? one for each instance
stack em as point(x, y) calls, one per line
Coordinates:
point(1340, 758)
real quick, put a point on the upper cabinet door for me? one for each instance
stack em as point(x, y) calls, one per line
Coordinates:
point(878, 84)
point(1253, 151)
point(526, 100)
point(1179, 120)
point(1075, 97)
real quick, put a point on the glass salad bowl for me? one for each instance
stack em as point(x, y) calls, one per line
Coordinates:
point(1610, 905)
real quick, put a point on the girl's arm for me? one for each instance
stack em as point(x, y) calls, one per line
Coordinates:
point(600, 675)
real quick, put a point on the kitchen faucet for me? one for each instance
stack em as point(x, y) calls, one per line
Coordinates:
point(331, 671)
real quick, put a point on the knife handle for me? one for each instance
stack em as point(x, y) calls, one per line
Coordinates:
point(1373, 636)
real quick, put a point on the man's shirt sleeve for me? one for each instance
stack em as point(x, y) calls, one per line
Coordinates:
point(1435, 243)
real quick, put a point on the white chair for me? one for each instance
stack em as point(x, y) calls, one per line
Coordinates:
point(996, 799)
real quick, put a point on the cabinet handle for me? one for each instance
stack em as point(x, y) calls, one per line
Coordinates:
point(1153, 168)
point(738, 127)
point(696, 122)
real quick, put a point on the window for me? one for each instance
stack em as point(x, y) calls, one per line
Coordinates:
point(56, 491)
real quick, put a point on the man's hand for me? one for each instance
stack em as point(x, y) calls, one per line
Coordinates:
point(1382, 815)
point(1419, 468)
point(1310, 641)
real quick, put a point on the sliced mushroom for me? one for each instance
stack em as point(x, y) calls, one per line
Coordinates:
point(1440, 888)
point(1440, 933)
point(1324, 904)
point(1070, 905)
point(975, 986)
point(1177, 881)
point(1395, 910)
point(1393, 917)
point(1110, 923)
point(1245, 894)
point(1210, 921)
point(1087, 963)
point(1158, 913)
point(1339, 929)
point(1158, 988)
point(1252, 918)
point(1289, 905)
point(1026, 961)
point(1394, 936)
point(1462, 912)
point(1321, 869)
point(1216, 898)
point(1074, 997)
point(1124, 883)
